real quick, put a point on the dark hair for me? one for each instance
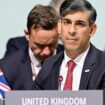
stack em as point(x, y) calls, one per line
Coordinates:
point(72, 6)
point(44, 17)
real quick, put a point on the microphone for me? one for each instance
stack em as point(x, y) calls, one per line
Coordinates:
point(60, 79)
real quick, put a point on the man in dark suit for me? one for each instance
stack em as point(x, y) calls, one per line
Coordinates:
point(21, 67)
point(77, 26)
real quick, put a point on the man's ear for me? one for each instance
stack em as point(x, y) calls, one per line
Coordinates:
point(26, 34)
point(93, 29)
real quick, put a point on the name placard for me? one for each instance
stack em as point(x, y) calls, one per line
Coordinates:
point(82, 97)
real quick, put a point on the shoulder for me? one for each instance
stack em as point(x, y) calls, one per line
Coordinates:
point(17, 40)
point(15, 44)
point(55, 57)
point(97, 55)
point(50, 61)
point(94, 50)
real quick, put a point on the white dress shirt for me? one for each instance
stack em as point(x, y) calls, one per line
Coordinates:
point(79, 61)
point(35, 64)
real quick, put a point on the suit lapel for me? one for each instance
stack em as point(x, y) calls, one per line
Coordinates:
point(55, 70)
point(26, 71)
point(55, 74)
point(88, 68)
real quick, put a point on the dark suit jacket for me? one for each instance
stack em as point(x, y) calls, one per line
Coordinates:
point(94, 79)
point(14, 44)
point(17, 69)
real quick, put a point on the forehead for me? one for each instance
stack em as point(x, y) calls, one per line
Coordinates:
point(39, 32)
point(79, 15)
point(44, 36)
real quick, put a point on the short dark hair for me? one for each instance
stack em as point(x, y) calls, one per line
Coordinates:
point(44, 17)
point(70, 6)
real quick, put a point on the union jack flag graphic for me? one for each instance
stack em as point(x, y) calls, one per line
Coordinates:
point(3, 85)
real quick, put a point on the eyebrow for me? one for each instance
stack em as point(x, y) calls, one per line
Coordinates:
point(79, 20)
point(76, 20)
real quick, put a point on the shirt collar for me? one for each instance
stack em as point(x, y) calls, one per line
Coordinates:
point(34, 60)
point(55, 52)
point(79, 60)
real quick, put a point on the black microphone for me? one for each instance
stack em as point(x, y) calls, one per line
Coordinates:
point(60, 79)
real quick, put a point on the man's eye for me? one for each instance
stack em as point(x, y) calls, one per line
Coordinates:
point(81, 24)
point(52, 45)
point(66, 22)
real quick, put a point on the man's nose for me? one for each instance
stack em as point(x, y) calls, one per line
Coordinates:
point(72, 29)
point(46, 51)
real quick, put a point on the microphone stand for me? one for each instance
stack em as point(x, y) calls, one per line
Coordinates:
point(60, 79)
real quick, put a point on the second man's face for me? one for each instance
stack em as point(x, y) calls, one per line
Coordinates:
point(43, 42)
point(75, 32)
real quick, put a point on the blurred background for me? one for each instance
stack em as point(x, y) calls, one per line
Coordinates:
point(13, 18)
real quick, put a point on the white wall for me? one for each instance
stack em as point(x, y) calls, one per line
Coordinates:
point(13, 15)
point(99, 38)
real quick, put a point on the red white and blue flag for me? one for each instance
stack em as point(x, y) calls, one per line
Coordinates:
point(3, 85)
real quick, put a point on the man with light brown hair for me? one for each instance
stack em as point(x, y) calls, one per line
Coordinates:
point(21, 67)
